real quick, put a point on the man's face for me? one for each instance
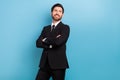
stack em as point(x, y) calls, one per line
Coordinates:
point(57, 13)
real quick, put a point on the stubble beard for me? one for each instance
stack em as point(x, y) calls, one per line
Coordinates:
point(56, 19)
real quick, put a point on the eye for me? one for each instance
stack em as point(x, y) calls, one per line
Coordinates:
point(55, 9)
point(60, 11)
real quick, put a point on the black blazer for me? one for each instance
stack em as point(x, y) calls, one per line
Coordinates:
point(57, 54)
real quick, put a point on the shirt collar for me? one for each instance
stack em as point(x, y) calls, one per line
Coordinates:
point(55, 23)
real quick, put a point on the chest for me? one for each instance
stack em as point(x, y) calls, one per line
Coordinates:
point(53, 33)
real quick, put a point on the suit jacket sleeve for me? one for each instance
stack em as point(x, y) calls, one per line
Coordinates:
point(39, 42)
point(58, 41)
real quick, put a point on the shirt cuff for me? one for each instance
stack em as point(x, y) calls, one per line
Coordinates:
point(44, 39)
point(50, 46)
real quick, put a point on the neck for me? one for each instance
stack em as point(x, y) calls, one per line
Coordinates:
point(55, 21)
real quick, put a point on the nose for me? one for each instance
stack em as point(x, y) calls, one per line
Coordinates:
point(57, 12)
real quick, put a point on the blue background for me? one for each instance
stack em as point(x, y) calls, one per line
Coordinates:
point(93, 48)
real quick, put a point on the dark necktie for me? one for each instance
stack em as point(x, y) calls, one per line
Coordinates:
point(53, 27)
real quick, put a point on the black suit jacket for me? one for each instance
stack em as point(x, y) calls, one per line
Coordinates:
point(56, 55)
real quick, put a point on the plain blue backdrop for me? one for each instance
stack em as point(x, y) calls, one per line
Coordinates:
point(93, 48)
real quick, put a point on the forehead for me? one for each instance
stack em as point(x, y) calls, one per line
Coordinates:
point(57, 8)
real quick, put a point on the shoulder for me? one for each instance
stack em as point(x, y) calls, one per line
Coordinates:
point(66, 26)
point(46, 27)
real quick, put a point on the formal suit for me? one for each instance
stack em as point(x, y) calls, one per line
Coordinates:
point(55, 57)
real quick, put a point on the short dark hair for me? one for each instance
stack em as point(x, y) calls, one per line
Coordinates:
point(57, 5)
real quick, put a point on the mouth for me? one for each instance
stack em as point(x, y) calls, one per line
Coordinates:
point(57, 15)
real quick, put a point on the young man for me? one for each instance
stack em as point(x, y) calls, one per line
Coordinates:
point(53, 40)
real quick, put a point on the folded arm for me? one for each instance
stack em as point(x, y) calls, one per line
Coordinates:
point(40, 41)
point(60, 39)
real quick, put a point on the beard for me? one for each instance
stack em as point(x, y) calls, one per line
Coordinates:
point(56, 18)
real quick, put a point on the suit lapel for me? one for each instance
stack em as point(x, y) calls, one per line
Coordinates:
point(58, 26)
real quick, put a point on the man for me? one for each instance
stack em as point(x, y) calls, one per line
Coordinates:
point(53, 40)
